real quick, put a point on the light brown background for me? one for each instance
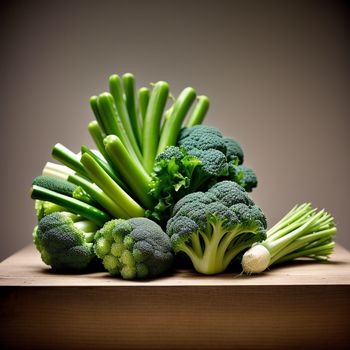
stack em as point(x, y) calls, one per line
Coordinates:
point(277, 75)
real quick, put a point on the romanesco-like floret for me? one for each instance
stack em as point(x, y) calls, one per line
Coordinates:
point(134, 248)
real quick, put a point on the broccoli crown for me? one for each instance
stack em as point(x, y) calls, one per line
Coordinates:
point(215, 226)
point(134, 248)
point(55, 184)
point(65, 241)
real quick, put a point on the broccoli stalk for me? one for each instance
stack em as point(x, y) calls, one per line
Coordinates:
point(98, 126)
point(213, 227)
point(143, 98)
point(82, 189)
point(115, 88)
point(199, 111)
point(303, 232)
point(172, 125)
point(136, 177)
point(130, 101)
point(68, 158)
point(127, 206)
point(76, 206)
point(152, 122)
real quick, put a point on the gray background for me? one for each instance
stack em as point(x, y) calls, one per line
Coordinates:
point(277, 75)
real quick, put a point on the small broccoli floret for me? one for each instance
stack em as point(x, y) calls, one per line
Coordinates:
point(213, 227)
point(214, 166)
point(233, 150)
point(202, 137)
point(249, 179)
point(65, 241)
point(185, 132)
point(243, 175)
point(134, 248)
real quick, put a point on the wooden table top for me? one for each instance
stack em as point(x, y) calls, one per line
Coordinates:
point(25, 268)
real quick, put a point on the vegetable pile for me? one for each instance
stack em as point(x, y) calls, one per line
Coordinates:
point(160, 183)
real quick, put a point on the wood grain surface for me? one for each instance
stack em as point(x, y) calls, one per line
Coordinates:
point(299, 306)
point(25, 268)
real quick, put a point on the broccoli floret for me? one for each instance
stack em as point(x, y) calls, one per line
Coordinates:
point(233, 150)
point(134, 248)
point(213, 227)
point(202, 137)
point(243, 175)
point(249, 179)
point(65, 241)
point(214, 165)
point(185, 132)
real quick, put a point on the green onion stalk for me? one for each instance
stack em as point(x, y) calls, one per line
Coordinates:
point(304, 232)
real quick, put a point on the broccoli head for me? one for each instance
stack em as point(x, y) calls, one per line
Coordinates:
point(65, 241)
point(213, 227)
point(134, 248)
